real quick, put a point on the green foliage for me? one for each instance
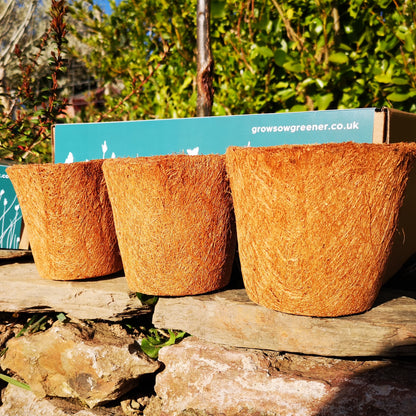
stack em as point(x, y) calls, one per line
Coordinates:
point(35, 324)
point(157, 339)
point(26, 122)
point(130, 43)
point(269, 56)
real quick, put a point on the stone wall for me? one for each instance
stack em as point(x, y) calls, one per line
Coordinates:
point(235, 362)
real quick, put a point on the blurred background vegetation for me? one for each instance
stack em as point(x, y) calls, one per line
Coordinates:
point(76, 62)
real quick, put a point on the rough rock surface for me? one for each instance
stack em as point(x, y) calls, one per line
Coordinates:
point(93, 364)
point(109, 298)
point(230, 318)
point(225, 381)
point(20, 402)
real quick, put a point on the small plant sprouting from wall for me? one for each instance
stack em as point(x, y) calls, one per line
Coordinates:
point(155, 339)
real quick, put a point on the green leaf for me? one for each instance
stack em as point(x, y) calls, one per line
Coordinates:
point(282, 85)
point(61, 317)
point(398, 97)
point(262, 51)
point(148, 300)
point(152, 344)
point(338, 58)
point(10, 380)
point(149, 349)
point(265, 52)
point(286, 94)
point(323, 101)
point(409, 43)
point(383, 78)
point(400, 81)
point(348, 29)
point(280, 57)
point(298, 108)
point(293, 67)
point(318, 26)
point(186, 83)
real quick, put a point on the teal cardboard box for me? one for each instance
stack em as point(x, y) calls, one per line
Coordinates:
point(79, 142)
point(207, 135)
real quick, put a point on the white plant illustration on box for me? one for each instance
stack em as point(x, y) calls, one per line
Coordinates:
point(104, 149)
point(193, 152)
point(8, 237)
point(69, 158)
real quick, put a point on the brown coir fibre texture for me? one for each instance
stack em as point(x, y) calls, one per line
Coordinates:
point(68, 216)
point(175, 222)
point(315, 222)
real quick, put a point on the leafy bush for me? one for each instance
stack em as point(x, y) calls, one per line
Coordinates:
point(269, 56)
point(26, 127)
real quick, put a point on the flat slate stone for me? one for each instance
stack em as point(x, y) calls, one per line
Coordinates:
point(230, 318)
point(23, 290)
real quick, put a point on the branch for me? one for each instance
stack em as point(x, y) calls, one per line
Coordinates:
point(136, 89)
point(205, 63)
point(6, 10)
point(17, 36)
point(243, 56)
point(289, 29)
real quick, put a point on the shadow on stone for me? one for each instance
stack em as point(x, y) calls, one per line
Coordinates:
point(15, 256)
point(389, 389)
